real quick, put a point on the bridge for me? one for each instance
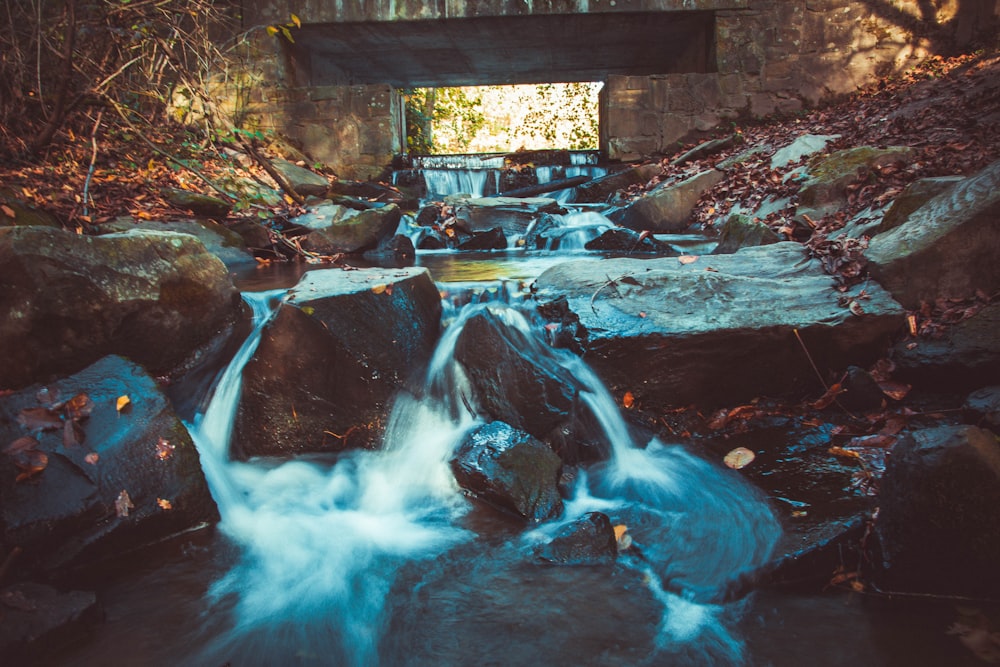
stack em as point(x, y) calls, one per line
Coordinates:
point(673, 69)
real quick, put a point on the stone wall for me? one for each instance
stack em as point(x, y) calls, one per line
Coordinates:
point(782, 56)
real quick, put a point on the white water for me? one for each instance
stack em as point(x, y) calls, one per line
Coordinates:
point(321, 542)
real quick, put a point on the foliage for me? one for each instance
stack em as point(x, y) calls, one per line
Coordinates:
point(502, 118)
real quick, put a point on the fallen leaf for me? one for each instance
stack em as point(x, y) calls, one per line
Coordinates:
point(122, 403)
point(378, 289)
point(856, 309)
point(897, 391)
point(622, 537)
point(30, 462)
point(883, 440)
point(21, 445)
point(687, 259)
point(164, 449)
point(8, 211)
point(39, 419)
point(628, 400)
point(92, 458)
point(164, 504)
point(73, 434)
point(829, 397)
point(123, 504)
point(845, 453)
point(79, 406)
point(739, 458)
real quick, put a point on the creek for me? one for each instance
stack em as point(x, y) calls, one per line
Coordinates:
point(376, 558)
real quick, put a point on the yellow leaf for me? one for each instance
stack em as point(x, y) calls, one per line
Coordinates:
point(164, 504)
point(846, 453)
point(620, 530)
point(151, 164)
point(122, 402)
point(378, 289)
point(739, 458)
point(287, 34)
point(296, 21)
point(308, 310)
point(272, 30)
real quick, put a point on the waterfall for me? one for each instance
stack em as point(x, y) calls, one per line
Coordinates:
point(322, 541)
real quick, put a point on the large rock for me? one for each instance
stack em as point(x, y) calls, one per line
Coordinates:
point(510, 470)
point(667, 207)
point(352, 232)
point(805, 145)
point(329, 364)
point(38, 620)
point(740, 231)
point(947, 248)
point(219, 240)
point(629, 241)
point(516, 378)
point(304, 182)
point(512, 215)
point(197, 203)
point(114, 480)
point(718, 329)
point(828, 177)
point(68, 300)
point(912, 198)
point(938, 525)
point(965, 357)
point(602, 189)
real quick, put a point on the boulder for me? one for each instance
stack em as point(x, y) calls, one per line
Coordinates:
point(629, 241)
point(602, 189)
point(509, 470)
point(38, 620)
point(803, 146)
point(331, 361)
point(197, 203)
point(352, 232)
point(913, 197)
point(824, 189)
point(510, 214)
point(938, 524)
point(590, 540)
point(218, 239)
point(717, 329)
point(306, 183)
point(493, 239)
point(983, 407)
point(396, 251)
point(965, 357)
point(322, 216)
point(947, 248)
point(518, 379)
point(67, 300)
point(668, 206)
point(109, 482)
point(741, 231)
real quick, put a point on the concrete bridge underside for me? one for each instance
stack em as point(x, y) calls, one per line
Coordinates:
point(504, 50)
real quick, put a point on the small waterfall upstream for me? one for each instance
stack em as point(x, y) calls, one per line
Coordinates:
point(371, 559)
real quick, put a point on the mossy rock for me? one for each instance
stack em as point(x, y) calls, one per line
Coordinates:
point(15, 213)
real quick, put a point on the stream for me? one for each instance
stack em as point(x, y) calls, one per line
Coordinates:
point(373, 558)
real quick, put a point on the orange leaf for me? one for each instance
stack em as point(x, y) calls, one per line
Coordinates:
point(628, 400)
point(846, 453)
point(829, 397)
point(622, 537)
point(30, 462)
point(8, 211)
point(897, 391)
point(164, 504)
point(378, 289)
point(739, 458)
point(79, 406)
point(122, 402)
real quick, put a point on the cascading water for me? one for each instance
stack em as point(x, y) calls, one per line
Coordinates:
point(373, 558)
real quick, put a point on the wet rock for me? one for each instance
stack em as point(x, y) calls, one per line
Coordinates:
point(741, 231)
point(803, 146)
point(913, 197)
point(428, 215)
point(367, 190)
point(197, 203)
point(861, 392)
point(819, 554)
point(629, 241)
point(590, 540)
point(510, 470)
point(354, 232)
point(322, 216)
point(306, 183)
point(511, 214)
point(947, 248)
point(219, 240)
point(667, 207)
point(967, 356)
point(602, 189)
point(329, 364)
point(516, 379)
point(938, 525)
point(715, 330)
point(493, 239)
point(66, 514)
point(827, 178)
point(983, 407)
point(67, 300)
point(396, 251)
point(38, 620)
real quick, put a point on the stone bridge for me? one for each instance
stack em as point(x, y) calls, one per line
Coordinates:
point(673, 69)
